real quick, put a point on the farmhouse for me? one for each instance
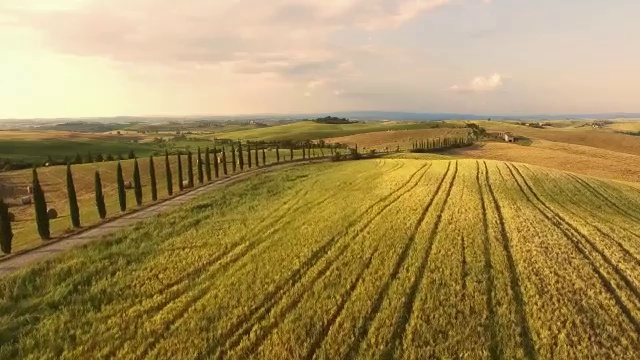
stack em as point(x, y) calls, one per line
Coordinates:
point(509, 137)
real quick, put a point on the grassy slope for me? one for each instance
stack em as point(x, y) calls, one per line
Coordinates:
point(14, 185)
point(585, 136)
point(394, 138)
point(284, 265)
point(581, 159)
point(304, 130)
point(39, 150)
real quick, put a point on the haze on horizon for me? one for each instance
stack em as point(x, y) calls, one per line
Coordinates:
point(69, 58)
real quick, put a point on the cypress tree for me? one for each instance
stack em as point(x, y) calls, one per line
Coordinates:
point(40, 205)
point(122, 194)
point(291, 152)
point(207, 163)
point(255, 152)
point(137, 183)
point(74, 211)
point(89, 159)
point(152, 179)
point(216, 167)
point(277, 153)
point(199, 165)
point(264, 158)
point(167, 170)
point(303, 154)
point(102, 209)
point(240, 156)
point(189, 169)
point(233, 158)
point(180, 180)
point(224, 162)
point(78, 159)
point(6, 234)
point(249, 154)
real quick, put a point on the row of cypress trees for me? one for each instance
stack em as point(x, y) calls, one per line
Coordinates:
point(203, 167)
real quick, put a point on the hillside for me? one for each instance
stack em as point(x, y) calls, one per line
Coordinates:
point(368, 259)
point(307, 130)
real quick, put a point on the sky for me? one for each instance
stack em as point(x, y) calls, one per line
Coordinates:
point(76, 58)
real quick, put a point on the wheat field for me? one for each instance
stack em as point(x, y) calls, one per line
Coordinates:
point(369, 259)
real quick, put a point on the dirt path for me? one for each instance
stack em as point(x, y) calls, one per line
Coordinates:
point(101, 231)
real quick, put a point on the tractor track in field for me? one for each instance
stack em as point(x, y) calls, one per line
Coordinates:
point(604, 198)
point(370, 317)
point(623, 277)
point(526, 338)
point(495, 350)
point(572, 235)
point(627, 253)
point(205, 268)
point(406, 310)
point(273, 225)
point(357, 224)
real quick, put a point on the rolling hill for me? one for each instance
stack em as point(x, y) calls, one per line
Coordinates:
point(369, 259)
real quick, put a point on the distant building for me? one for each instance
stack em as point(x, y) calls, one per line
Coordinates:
point(508, 137)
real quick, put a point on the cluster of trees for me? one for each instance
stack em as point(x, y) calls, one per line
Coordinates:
point(334, 120)
point(435, 144)
point(208, 166)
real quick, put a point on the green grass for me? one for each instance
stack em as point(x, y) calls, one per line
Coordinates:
point(307, 130)
point(40, 150)
point(382, 258)
point(53, 180)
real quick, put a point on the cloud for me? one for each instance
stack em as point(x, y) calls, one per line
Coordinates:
point(287, 38)
point(481, 84)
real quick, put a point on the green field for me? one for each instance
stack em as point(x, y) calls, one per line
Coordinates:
point(39, 150)
point(309, 130)
point(369, 259)
point(13, 185)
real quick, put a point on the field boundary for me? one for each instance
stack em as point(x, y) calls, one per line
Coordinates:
point(40, 252)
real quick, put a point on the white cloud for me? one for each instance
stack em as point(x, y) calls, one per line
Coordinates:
point(481, 84)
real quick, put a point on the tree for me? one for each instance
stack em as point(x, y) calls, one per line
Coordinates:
point(180, 180)
point(240, 156)
point(167, 170)
point(233, 159)
point(264, 158)
point(216, 165)
point(120, 157)
point(137, 183)
point(152, 178)
point(224, 161)
point(78, 159)
point(249, 154)
point(207, 163)
point(109, 157)
point(291, 153)
point(200, 170)
point(100, 205)
point(255, 153)
point(122, 194)
point(89, 158)
point(189, 169)
point(74, 211)
point(40, 205)
point(132, 155)
point(6, 234)
point(303, 153)
point(277, 153)
point(99, 158)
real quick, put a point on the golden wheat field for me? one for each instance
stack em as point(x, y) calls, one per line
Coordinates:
point(384, 258)
point(391, 139)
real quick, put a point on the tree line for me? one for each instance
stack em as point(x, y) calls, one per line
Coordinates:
point(211, 165)
point(435, 144)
